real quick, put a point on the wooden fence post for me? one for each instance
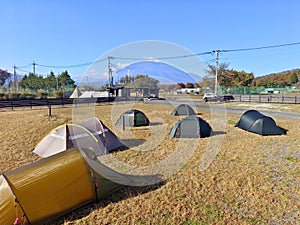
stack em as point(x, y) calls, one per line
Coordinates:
point(49, 110)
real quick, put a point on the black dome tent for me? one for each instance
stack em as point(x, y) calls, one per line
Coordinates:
point(133, 118)
point(183, 110)
point(191, 127)
point(256, 122)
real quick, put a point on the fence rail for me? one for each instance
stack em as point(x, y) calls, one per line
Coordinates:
point(30, 103)
point(268, 98)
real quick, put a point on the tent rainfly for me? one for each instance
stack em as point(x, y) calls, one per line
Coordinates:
point(133, 118)
point(70, 135)
point(51, 187)
point(254, 121)
point(191, 127)
point(183, 110)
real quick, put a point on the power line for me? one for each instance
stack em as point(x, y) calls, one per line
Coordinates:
point(259, 48)
point(159, 58)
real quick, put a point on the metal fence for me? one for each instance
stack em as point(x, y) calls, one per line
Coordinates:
point(268, 98)
point(31, 103)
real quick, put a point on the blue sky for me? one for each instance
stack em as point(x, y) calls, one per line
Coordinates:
point(61, 32)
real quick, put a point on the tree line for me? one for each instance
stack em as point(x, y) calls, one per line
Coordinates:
point(234, 78)
point(62, 81)
point(286, 78)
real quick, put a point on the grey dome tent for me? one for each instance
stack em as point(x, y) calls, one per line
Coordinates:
point(133, 118)
point(256, 122)
point(183, 110)
point(191, 127)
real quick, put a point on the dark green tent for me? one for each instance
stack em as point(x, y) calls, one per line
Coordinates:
point(133, 118)
point(183, 110)
point(191, 127)
point(254, 121)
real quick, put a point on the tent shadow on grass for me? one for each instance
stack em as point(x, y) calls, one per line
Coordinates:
point(131, 143)
point(216, 132)
point(124, 193)
point(155, 123)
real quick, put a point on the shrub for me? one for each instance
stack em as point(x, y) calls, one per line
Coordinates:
point(58, 94)
point(42, 94)
point(14, 95)
point(2, 95)
point(27, 95)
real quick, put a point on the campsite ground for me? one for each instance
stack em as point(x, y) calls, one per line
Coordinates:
point(233, 177)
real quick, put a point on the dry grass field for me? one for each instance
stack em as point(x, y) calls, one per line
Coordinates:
point(250, 179)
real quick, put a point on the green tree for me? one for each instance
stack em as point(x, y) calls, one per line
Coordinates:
point(144, 81)
point(51, 81)
point(294, 78)
point(32, 82)
point(65, 81)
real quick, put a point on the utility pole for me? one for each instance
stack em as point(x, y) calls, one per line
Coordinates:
point(33, 67)
point(15, 79)
point(110, 82)
point(217, 66)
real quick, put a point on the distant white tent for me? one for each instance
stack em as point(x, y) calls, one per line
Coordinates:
point(94, 94)
point(91, 131)
point(76, 93)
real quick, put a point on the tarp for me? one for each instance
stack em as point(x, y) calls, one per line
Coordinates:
point(256, 122)
point(133, 118)
point(183, 110)
point(191, 127)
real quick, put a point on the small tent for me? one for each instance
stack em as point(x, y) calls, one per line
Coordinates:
point(76, 93)
point(183, 110)
point(70, 135)
point(51, 187)
point(254, 121)
point(191, 127)
point(133, 118)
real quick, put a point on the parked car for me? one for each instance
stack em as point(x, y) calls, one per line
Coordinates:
point(217, 98)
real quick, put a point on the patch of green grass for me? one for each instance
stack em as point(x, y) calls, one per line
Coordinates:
point(231, 122)
point(191, 222)
point(291, 159)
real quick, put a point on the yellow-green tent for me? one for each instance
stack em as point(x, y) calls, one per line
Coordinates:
point(55, 185)
point(51, 187)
